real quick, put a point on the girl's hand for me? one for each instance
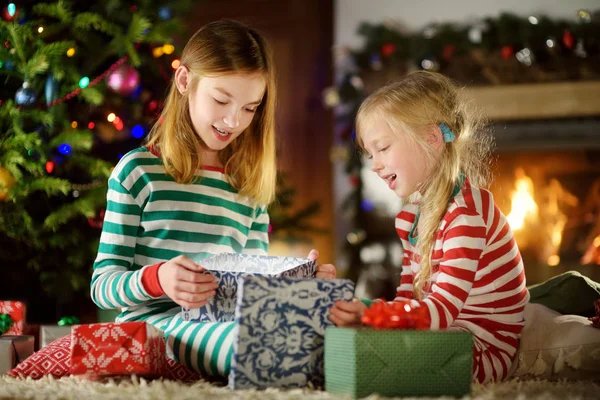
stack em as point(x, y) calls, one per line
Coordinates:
point(347, 313)
point(325, 271)
point(186, 283)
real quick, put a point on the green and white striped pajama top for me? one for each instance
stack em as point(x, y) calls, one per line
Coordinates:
point(150, 219)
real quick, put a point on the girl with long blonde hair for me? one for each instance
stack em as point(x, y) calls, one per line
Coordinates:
point(461, 261)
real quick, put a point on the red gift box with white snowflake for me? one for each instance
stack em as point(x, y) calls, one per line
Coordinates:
point(16, 311)
point(117, 349)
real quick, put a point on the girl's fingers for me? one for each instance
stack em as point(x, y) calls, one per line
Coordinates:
point(195, 288)
point(351, 307)
point(189, 264)
point(343, 317)
point(313, 255)
point(185, 275)
point(192, 298)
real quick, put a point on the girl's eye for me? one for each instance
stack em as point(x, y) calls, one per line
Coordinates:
point(370, 157)
point(221, 102)
point(385, 148)
point(251, 110)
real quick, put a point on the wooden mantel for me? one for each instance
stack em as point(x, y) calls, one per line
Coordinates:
point(538, 101)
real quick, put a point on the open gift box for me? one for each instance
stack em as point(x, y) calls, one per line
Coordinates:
point(229, 269)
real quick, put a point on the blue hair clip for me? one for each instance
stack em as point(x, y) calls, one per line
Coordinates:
point(447, 134)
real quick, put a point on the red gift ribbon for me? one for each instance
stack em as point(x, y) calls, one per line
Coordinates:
point(396, 315)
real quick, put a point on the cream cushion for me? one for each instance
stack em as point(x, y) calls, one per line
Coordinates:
point(555, 346)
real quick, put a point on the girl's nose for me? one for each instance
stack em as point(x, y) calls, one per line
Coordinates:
point(232, 119)
point(376, 165)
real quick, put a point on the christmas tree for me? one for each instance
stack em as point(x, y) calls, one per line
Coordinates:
point(82, 85)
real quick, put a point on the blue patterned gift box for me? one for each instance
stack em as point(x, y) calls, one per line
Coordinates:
point(280, 329)
point(229, 269)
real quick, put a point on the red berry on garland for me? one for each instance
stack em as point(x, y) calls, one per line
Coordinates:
point(568, 40)
point(507, 52)
point(354, 180)
point(98, 221)
point(449, 50)
point(388, 49)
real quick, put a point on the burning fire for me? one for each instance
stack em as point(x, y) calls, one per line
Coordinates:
point(526, 213)
point(523, 206)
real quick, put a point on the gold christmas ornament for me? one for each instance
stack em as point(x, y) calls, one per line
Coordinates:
point(7, 181)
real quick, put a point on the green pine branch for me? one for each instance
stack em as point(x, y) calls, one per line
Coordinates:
point(138, 26)
point(60, 10)
point(85, 206)
point(50, 185)
point(92, 95)
point(15, 222)
point(78, 139)
point(18, 36)
point(97, 168)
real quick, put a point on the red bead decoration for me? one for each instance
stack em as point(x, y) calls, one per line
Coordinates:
point(568, 40)
point(388, 49)
point(507, 52)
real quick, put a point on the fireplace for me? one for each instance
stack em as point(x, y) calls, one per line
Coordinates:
point(546, 180)
point(547, 183)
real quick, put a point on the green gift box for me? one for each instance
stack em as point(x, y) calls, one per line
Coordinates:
point(364, 361)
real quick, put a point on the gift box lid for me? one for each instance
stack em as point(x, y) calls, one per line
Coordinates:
point(255, 264)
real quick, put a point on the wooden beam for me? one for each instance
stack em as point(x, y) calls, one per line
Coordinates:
point(538, 101)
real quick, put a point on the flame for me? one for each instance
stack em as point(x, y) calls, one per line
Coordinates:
point(523, 206)
point(548, 217)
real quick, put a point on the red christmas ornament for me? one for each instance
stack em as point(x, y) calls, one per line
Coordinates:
point(98, 221)
point(568, 39)
point(124, 80)
point(388, 49)
point(449, 50)
point(354, 180)
point(507, 52)
point(396, 315)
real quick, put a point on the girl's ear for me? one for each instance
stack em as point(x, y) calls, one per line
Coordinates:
point(434, 136)
point(182, 79)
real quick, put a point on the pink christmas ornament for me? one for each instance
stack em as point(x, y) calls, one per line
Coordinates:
point(124, 80)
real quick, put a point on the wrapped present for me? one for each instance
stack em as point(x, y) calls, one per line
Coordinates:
point(117, 349)
point(229, 269)
point(364, 361)
point(281, 322)
point(49, 333)
point(13, 350)
point(16, 311)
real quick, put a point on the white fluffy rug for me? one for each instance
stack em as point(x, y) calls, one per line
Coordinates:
point(76, 388)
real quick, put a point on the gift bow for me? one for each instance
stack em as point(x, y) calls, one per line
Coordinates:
point(6, 322)
point(396, 315)
point(67, 321)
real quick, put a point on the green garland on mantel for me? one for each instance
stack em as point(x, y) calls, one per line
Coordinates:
point(507, 49)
